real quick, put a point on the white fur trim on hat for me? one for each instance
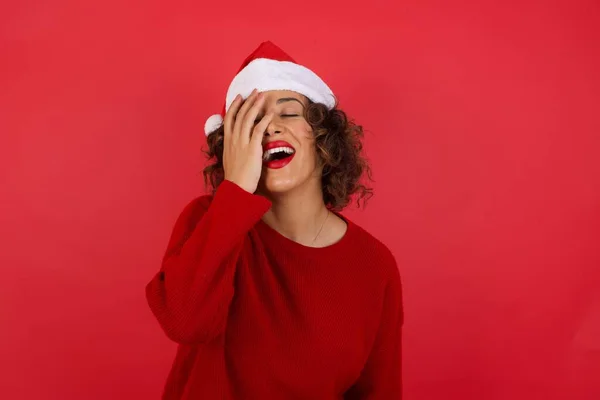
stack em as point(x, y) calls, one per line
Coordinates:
point(213, 123)
point(265, 74)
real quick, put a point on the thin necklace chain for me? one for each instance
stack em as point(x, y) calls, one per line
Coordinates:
point(322, 225)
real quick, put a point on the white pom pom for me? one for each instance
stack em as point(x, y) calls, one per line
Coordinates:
point(213, 123)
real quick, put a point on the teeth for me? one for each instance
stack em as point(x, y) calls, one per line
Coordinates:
point(267, 154)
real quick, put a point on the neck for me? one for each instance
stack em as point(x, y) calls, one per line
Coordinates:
point(298, 215)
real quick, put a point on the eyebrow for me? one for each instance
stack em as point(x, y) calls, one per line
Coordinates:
point(284, 99)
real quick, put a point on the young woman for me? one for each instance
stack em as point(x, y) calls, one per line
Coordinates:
point(269, 291)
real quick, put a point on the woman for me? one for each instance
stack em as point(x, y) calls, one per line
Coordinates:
point(270, 292)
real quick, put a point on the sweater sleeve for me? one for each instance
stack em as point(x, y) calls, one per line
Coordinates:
point(191, 294)
point(381, 378)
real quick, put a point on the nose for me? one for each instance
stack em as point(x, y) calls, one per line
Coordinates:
point(272, 129)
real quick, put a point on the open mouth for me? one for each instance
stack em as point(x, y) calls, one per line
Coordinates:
point(278, 153)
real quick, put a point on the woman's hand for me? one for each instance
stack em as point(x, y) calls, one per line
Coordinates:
point(242, 141)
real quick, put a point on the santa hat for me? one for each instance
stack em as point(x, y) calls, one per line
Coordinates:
point(270, 68)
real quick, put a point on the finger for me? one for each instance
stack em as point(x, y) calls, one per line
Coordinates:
point(263, 124)
point(239, 117)
point(259, 130)
point(230, 116)
point(249, 120)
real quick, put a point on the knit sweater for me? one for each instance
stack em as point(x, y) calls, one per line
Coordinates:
point(259, 316)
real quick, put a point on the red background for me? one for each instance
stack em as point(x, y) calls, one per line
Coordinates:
point(483, 131)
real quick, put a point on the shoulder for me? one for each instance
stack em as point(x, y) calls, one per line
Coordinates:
point(372, 245)
point(379, 254)
point(382, 269)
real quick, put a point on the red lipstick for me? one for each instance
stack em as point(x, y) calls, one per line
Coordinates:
point(280, 163)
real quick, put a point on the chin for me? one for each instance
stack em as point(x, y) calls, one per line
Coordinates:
point(276, 185)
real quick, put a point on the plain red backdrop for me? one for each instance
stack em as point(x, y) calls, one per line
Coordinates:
point(482, 128)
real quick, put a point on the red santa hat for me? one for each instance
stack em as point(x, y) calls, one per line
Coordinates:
point(270, 68)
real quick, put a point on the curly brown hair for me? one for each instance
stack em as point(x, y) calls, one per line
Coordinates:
point(338, 142)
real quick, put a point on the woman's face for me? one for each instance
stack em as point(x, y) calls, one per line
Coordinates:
point(289, 154)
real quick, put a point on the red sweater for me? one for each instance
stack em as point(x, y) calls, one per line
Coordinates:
point(259, 316)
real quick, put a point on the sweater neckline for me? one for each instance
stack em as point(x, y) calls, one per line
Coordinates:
point(289, 243)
